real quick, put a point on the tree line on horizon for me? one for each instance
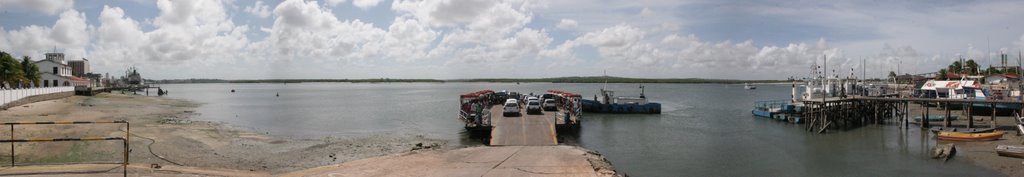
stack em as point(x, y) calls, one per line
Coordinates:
point(14, 74)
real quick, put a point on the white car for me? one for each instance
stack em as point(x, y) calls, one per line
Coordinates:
point(532, 98)
point(533, 107)
point(511, 107)
point(550, 105)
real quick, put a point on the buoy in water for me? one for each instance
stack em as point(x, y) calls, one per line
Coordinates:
point(232, 90)
point(278, 94)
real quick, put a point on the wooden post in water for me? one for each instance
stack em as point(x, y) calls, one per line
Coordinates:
point(924, 118)
point(993, 119)
point(945, 122)
point(876, 113)
point(970, 119)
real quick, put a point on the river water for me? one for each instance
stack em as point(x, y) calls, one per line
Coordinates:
point(704, 129)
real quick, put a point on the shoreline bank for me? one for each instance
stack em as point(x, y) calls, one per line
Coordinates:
point(164, 133)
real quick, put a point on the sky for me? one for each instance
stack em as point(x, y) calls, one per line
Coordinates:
point(457, 39)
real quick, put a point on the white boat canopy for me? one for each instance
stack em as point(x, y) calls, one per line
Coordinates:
point(944, 85)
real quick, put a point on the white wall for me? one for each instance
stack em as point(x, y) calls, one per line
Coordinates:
point(11, 95)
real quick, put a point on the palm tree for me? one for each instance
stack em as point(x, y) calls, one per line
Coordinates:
point(10, 70)
point(31, 71)
point(956, 67)
point(971, 67)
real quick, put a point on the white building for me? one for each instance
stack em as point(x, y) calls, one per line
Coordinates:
point(54, 71)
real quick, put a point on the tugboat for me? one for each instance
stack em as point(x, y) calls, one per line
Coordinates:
point(608, 103)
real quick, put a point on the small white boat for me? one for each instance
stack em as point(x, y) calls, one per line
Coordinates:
point(749, 87)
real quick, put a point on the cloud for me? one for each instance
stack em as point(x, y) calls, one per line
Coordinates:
point(444, 12)
point(69, 33)
point(1019, 43)
point(333, 3)
point(365, 4)
point(259, 9)
point(646, 12)
point(306, 30)
point(488, 32)
point(567, 24)
point(49, 7)
point(185, 32)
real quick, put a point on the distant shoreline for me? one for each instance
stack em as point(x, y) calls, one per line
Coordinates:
point(594, 79)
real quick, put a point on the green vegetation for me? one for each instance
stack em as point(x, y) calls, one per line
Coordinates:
point(970, 67)
point(17, 74)
point(611, 79)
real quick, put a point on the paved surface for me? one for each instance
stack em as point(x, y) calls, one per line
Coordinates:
point(475, 161)
point(522, 130)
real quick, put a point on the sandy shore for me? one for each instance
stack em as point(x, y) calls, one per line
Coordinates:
point(981, 153)
point(164, 134)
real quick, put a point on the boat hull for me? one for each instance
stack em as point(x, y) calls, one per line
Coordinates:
point(759, 113)
point(958, 136)
point(935, 118)
point(962, 130)
point(1001, 109)
point(1010, 151)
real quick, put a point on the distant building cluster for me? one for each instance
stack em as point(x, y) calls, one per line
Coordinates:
point(55, 71)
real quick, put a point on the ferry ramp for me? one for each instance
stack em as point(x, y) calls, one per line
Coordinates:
point(523, 129)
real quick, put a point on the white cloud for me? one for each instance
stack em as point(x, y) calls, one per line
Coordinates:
point(1020, 43)
point(333, 3)
point(259, 9)
point(567, 24)
point(186, 32)
point(306, 30)
point(444, 12)
point(646, 12)
point(119, 38)
point(69, 33)
point(49, 7)
point(365, 4)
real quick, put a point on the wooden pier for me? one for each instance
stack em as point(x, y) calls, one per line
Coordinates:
point(846, 113)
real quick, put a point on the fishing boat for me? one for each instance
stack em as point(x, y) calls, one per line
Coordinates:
point(1010, 151)
point(933, 118)
point(961, 130)
point(781, 110)
point(749, 87)
point(1001, 109)
point(964, 88)
point(958, 136)
point(768, 109)
point(609, 103)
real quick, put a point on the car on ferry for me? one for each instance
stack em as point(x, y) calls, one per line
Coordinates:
point(533, 106)
point(511, 107)
point(550, 105)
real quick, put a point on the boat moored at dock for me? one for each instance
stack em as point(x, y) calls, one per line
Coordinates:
point(609, 103)
point(781, 110)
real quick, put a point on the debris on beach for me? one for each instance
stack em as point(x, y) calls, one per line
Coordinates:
point(943, 151)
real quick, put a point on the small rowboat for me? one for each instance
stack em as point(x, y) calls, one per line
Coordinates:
point(1010, 151)
point(962, 130)
point(958, 136)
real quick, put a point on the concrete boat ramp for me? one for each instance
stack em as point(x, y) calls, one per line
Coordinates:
point(523, 130)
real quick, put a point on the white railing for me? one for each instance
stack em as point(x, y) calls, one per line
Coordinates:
point(11, 95)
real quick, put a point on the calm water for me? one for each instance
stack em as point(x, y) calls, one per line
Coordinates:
point(704, 129)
